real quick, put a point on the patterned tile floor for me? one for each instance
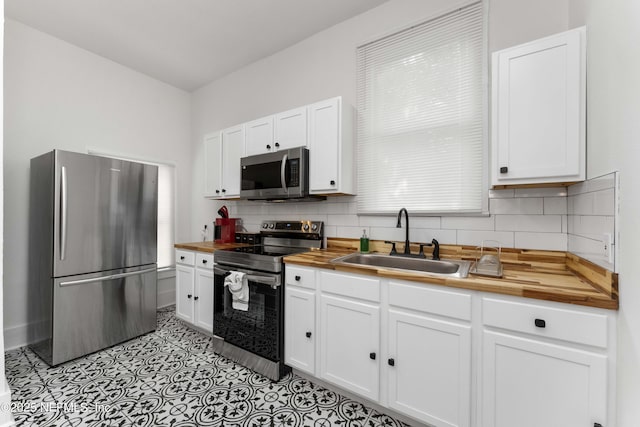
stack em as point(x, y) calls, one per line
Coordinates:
point(170, 378)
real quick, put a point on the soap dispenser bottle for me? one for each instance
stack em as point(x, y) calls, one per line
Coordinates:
point(364, 242)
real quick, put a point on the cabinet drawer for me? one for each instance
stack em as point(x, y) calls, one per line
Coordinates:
point(185, 257)
point(559, 323)
point(441, 302)
point(298, 276)
point(204, 260)
point(350, 285)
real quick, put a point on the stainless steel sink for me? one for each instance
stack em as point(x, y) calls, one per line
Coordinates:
point(448, 268)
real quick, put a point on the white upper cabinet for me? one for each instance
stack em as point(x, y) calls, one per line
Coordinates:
point(212, 150)
point(290, 129)
point(331, 148)
point(222, 153)
point(538, 111)
point(325, 127)
point(260, 136)
point(232, 151)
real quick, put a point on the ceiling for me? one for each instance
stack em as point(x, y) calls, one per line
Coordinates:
point(185, 43)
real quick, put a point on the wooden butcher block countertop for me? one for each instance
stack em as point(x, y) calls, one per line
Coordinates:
point(545, 275)
point(207, 246)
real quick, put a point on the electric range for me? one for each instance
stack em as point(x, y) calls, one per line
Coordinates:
point(254, 336)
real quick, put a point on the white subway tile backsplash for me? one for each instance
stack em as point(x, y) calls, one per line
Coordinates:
point(350, 232)
point(344, 220)
point(539, 223)
point(592, 225)
point(425, 235)
point(424, 222)
point(475, 238)
point(501, 194)
point(468, 223)
point(532, 206)
point(591, 208)
point(387, 233)
point(541, 192)
point(547, 241)
point(604, 202)
point(331, 231)
point(581, 204)
point(555, 205)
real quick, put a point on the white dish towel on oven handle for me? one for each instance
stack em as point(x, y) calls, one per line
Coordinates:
point(238, 285)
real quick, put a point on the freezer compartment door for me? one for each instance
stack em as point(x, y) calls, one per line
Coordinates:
point(105, 214)
point(95, 311)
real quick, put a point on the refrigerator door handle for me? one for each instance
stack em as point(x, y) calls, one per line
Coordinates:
point(63, 212)
point(110, 277)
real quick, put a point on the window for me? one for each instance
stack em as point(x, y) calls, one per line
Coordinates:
point(421, 121)
point(166, 208)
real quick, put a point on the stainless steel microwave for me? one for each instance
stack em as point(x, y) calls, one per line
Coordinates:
point(274, 176)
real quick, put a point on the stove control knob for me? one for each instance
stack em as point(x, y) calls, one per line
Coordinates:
point(305, 227)
point(314, 227)
point(265, 225)
point(272, 226)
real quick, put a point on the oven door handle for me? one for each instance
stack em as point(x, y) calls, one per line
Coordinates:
point(283, 170)
point(265, 280)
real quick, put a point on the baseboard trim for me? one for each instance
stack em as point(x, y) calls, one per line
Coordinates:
point(166, 298)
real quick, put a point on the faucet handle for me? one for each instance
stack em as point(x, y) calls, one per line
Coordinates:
point(422, 245)
point(393, 247)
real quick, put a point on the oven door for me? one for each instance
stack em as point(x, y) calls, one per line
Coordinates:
point(258, 330)
point(279, 175)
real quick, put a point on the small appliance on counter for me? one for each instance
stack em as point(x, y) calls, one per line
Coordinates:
point(224, 229)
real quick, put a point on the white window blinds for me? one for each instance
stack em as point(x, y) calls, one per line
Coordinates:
point(421, 118)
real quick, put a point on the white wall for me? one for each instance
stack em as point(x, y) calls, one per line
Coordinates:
point(5, 393)
point(614, 144)
point(60, 96)
point(323, 66)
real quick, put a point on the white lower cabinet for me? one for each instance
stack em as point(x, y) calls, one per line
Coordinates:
point(299, 324)
point(185, 279)
point(544, 365)
point(429, 369)
point(194, 288)
point(203, 299)
point(530, 383)
point(349, 344)
point(430, 352)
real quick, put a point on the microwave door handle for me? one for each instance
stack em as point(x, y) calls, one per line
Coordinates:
point(283, 170)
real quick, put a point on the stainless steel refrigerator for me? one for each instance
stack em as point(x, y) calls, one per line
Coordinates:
point(92, 253)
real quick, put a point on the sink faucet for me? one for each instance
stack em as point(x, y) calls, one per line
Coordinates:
point(407, 248)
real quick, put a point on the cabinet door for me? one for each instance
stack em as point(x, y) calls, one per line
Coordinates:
point(291, 129)
point(349, 345)
point(324, 145)
point(260, 136)
point(203, 299)
point(299, 329)
point(539, 111)
point(184, 292)
point(528, 383)
point(429, 369)
point(212, 151)
point(232, 151)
